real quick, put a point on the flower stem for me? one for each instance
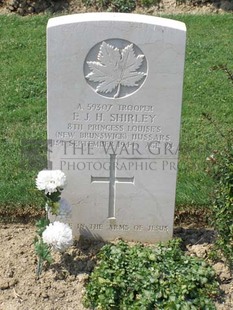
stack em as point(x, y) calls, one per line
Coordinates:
point(39, 267)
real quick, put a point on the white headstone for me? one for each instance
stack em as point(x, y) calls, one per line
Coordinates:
point(114, 106)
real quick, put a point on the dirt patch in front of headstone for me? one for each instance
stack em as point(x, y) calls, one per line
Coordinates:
point(61, 285)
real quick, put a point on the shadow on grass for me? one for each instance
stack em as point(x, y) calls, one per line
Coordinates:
point(20, 214)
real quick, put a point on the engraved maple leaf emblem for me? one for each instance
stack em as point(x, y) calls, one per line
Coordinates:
point(114, 68)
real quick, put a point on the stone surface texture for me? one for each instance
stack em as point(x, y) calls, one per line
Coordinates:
point(114, 105)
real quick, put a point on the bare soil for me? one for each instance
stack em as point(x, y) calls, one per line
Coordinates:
point(61, 285)
point(170, 7)
point(164, 7)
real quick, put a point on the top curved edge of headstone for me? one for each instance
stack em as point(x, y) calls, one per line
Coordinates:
point(118, 17)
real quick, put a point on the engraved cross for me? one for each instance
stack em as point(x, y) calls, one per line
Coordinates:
point(112, 180)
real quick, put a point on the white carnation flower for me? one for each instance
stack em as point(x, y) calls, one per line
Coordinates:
point(58, 235)
point(50, 181)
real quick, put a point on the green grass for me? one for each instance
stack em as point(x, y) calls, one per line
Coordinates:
point(23, 104)
point(209, 42)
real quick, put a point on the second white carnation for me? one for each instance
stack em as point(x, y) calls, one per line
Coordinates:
point(58, 235)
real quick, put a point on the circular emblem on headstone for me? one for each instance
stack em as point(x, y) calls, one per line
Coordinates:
point(115, 68)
